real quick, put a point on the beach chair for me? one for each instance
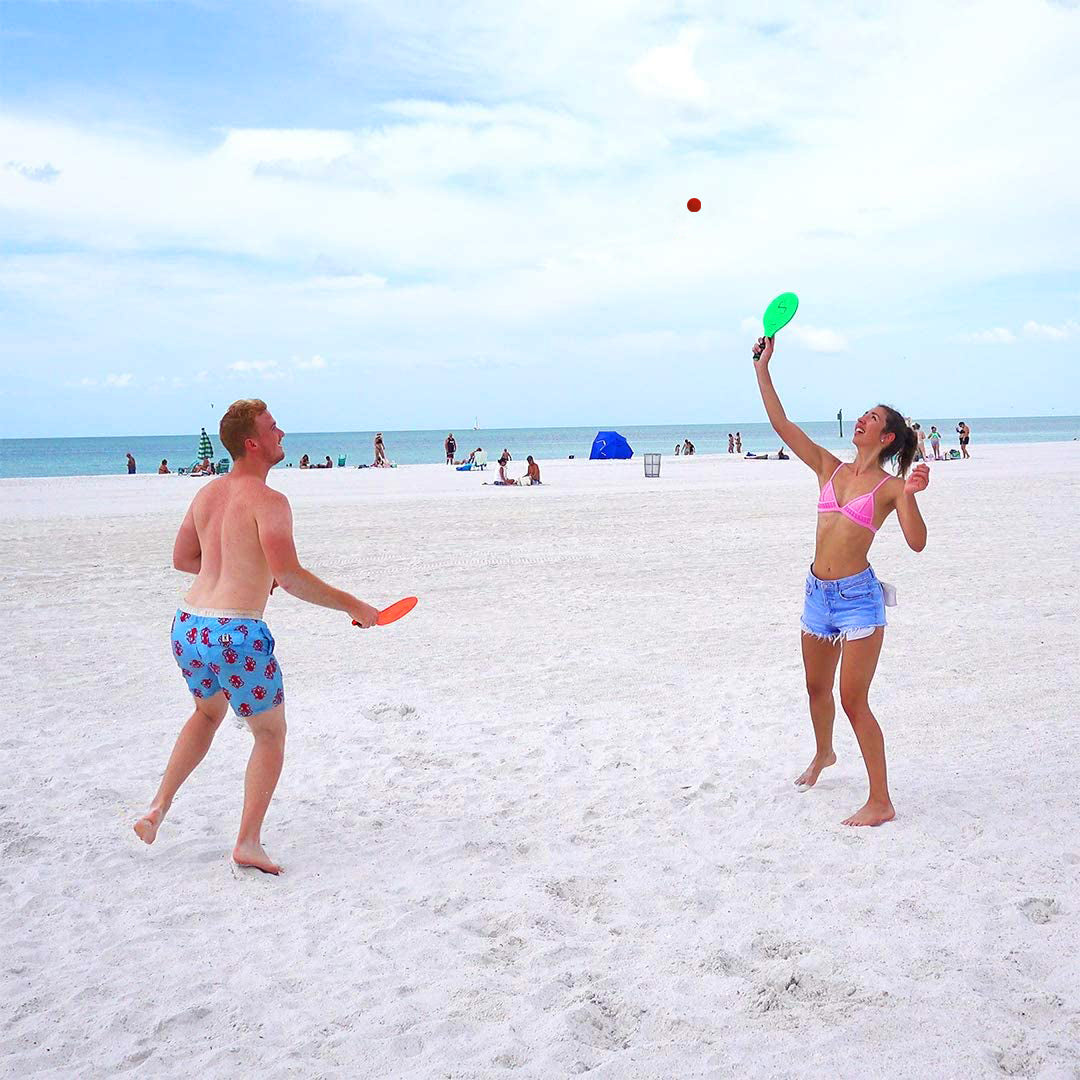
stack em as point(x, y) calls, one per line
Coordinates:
point(480, 461)
point(223, 466)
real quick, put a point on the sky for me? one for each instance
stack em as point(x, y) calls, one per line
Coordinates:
point(394, 216)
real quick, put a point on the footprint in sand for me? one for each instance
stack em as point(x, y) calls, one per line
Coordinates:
point(1040, 909)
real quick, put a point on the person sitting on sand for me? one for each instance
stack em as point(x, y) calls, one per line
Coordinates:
point(163, 468)
point(534, 471)
point(305, 462)
point(843, 621)
point(203, 468)
point(328, 464)
point(237, 539)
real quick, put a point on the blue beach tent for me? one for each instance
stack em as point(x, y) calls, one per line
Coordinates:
point(610, 444)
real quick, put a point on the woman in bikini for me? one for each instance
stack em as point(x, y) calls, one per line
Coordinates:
point(844, 612)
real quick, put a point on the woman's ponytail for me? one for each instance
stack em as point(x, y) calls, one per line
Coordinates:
point(903, 445)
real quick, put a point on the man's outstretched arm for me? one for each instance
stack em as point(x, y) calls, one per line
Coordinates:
point(275, 524)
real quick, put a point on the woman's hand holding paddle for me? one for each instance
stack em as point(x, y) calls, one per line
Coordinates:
point(763, 351)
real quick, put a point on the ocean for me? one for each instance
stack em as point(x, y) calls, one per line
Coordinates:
point(101, 456)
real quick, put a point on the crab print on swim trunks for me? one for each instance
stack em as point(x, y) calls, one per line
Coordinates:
point(231, 655)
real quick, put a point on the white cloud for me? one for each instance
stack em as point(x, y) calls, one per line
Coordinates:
point(119, 380)
point(668, 70)
point(817, 338)
point(998, 335)
point(316, 363)
point(253, 365)
point(39, 174)
point(1043, 332)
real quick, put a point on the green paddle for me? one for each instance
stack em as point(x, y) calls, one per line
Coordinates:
point(780, 312)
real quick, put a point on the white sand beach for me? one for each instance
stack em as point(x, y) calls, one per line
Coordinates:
point(546, 826)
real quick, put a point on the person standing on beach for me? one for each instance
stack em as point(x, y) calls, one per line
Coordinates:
point(920, 447)
point(965, 437)
point(730, 443)
point(738, 442)
point(380, 450)
point(451, 448)
point(935, 442)
point(131, 465)
point(237, 538)
point(843, 620)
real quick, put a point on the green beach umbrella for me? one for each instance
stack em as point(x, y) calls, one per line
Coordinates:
point(206, 447)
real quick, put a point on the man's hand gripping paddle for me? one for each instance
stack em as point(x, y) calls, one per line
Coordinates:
point(394, 612)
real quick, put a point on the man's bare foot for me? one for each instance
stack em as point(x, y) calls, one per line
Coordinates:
point(813, 771)
point(147, 826)
point(873, 813)
point(253, 855)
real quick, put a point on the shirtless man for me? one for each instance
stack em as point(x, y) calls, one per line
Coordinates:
point(237, 538)
point(534, 471)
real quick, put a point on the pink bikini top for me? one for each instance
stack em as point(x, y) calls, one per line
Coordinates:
point(860, 509)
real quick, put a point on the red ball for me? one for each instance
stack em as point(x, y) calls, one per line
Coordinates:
point(693, 205)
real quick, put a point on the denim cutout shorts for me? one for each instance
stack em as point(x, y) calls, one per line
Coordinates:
point(843, 610)
point(233, 656)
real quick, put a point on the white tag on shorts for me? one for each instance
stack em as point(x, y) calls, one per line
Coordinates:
point(889, 593)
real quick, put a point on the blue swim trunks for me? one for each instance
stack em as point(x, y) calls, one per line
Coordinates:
point(845, 609)
point(230, 654)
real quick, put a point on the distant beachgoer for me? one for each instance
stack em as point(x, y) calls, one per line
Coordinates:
point(677, 449)
point(935, 441)
point(380, 450)
point(730, 443)
point(130, 465)
point(237, 538)
point(506, 455)
point(844, 608)
point(505, 479)
point(451, 448)
point(920, 436)
point(533, 471)
point(163, 468)
point(305, 462)
point(203, 468)
point(692, 448)
point(738, 442)
point(965, 437)
point(781, 456)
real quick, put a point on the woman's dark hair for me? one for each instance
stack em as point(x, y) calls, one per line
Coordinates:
point(903, 446)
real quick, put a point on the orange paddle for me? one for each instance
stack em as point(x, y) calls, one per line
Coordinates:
point(394, 612)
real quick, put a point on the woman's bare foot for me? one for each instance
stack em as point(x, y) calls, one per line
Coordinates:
point(873, 813)
point(813, 771)
point(254, 856)
point(147, 826)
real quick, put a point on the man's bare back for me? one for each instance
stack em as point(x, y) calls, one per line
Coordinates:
point(221, 532)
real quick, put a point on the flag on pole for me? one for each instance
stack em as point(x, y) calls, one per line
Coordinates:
point(206, 447)
point(840, 417)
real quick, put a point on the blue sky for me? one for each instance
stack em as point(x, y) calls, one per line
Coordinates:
point(393, 216)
